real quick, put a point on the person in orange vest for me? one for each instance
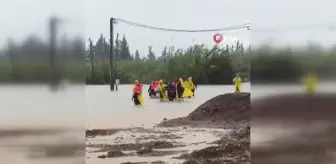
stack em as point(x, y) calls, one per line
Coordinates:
point(137, 93)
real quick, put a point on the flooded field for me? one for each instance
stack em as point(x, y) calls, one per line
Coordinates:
point(107, 109)
point(126, 115)
point(68, 113)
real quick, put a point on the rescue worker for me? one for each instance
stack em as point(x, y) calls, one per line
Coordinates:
point(191, 86)
point(237, 83)
point(137, 93)
point(187, 90)
point(171, 91)
point(152, 90)
point(161, 87)
point(179, 88)
point(310, 81)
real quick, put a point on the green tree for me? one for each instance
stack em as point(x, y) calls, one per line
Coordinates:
point(164, 54)
point(124, 49)
point(91, 57)
point(137, 55)
point(117, 48)
point(151, 54)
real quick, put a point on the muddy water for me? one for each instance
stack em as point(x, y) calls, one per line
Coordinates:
point(80, 107)
point(28, 111)
point(115, 109)
point(77, 107)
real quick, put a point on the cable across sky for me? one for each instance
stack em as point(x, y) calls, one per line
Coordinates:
point(241, 26)
point(247, 26)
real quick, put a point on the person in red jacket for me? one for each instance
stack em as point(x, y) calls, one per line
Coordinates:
point(137, 91)
point(152, 90)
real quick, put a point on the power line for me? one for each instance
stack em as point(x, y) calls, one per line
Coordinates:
point(330, 27)
point(311, 27)
point(242, 26)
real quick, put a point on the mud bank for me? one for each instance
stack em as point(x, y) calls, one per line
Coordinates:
point(307, 145)
point(105, 132)
point(224, 111)
point(219, 128)
point(150, 145)
point(296, 107)
point(233, 148)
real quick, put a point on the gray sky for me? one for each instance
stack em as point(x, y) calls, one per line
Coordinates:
point(177, 14)
point(309, 17)
point(18, 18)
point(91, 18)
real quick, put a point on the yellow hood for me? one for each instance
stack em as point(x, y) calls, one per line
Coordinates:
point(180, 79)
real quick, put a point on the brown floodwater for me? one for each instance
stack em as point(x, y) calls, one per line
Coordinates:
point(79, 107)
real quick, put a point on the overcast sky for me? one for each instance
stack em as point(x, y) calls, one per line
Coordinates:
point(90, 18)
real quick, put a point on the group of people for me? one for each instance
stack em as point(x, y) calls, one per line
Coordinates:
point(173, 90)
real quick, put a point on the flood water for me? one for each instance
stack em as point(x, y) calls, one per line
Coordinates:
point(81, 107)
point(78, 108)
point(115, 109)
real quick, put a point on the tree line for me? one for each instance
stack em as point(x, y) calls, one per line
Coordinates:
point(28, 62)
point(206, 65)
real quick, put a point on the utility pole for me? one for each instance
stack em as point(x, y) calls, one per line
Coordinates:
point(112, 56)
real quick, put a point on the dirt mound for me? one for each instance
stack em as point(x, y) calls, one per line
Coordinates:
point(223, 110)
point(233, 106)
point(311, 145)
point(315, 147)
point(296, 106)
point(233, 149)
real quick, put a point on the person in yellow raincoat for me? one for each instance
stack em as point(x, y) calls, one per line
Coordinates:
point(309, 82)
point(187, 93)
point(237, 83)
point(137, 93)
point(191, 86)
point(161, 86)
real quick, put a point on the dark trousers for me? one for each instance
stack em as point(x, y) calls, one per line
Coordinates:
point(180, 92)
point(135, 99)
point(171, 95)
